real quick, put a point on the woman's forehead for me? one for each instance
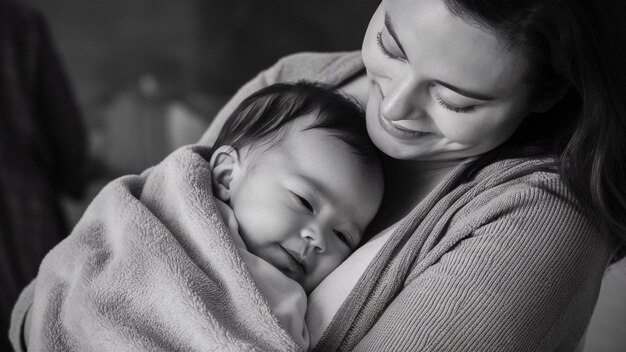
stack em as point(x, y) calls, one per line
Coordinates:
point(447, 48)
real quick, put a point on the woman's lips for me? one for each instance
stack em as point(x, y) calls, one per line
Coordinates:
point(399, 129)
point(405, 125)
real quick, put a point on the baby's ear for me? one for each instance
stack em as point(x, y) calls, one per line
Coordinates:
point(223, 164)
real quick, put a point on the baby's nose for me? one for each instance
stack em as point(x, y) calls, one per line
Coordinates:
point(315, 239)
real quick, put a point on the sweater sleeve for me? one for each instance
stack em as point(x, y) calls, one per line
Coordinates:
point(525, 279)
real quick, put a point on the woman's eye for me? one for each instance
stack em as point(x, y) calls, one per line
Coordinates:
point(389, 50)
point(448, 106)
point(342, 237)
point(305, 203)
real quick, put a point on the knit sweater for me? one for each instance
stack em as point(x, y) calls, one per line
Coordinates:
point(506, 261)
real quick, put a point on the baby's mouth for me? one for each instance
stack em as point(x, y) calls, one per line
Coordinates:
point(297, 262)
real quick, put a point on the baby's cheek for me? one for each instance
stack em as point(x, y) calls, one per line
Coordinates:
point(334, 261)
point(256, 225)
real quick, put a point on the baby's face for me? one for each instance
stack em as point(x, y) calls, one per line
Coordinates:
point(304, 204)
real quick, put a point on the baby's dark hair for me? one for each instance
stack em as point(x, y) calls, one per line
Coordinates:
point(264, 116)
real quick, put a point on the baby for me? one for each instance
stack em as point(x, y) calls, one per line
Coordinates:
point(297, 181)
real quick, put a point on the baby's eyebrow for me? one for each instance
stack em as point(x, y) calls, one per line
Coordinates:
point(392, 32)
point(314, 186)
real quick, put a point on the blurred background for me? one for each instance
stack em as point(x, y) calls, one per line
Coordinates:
point(149, 75)
point(141, 78)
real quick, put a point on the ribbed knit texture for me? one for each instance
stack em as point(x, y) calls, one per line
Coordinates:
point(504, 262)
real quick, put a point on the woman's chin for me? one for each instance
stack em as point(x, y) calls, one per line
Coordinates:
point(396, 150)
point(426, 151)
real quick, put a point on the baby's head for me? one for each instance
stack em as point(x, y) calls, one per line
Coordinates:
point(295, 164)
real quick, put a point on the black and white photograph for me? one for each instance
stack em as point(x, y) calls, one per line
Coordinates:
point(321, 175)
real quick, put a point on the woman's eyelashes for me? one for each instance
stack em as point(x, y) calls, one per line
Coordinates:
point(387, 52)
point(382, 47)
point(454, 108)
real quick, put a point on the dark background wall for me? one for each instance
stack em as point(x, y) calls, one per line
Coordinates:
point(150, 74)
point(208, 46)
point(247, 35)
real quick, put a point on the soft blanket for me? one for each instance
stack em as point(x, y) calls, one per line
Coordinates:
point(151, 266)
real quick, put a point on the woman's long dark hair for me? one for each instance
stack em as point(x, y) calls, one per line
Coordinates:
point(576, 47)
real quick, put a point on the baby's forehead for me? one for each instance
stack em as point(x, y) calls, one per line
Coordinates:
point(324, 158)
point(316, 137)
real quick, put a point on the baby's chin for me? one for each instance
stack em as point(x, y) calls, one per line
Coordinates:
point(310, 283)
point(307, 283)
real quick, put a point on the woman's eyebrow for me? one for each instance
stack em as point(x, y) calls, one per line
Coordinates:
point(391, 31)
point(461, 91)
point(464, 92)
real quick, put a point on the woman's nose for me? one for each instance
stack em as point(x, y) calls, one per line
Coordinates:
point(401, 101)
point(315, 239)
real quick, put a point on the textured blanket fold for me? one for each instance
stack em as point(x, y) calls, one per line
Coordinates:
point(151, 267)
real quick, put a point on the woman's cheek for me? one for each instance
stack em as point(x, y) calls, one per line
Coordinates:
point(485, 131)
point(372, 57)
point(457, 128)
point(372, 63)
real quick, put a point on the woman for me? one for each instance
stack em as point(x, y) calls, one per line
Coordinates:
point(504, 133)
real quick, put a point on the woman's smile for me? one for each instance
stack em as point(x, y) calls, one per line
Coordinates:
point(399, 130)
point(402, 129)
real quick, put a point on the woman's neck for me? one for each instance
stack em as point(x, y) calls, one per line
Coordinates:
point(407, 183)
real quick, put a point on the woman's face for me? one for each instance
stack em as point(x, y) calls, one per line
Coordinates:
point(439, 88)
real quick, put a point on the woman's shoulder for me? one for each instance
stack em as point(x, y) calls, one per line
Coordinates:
point(532, 189)
point(525, 206)
point(330, 68)
point(531, 172)
point(531, 179)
